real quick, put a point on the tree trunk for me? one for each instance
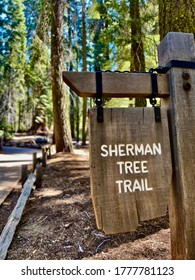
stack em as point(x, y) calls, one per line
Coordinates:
point(176, 16)
point(84, 55)
point(77, 118)
point(60, 107)
point(72, 95)
point(137, 47)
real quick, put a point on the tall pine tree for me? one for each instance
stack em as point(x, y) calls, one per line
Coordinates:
point(84, 58)
point(60, 107)
point(13, 63)
point(39, 68)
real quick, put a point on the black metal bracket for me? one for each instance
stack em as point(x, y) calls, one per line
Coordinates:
point(159, 70)
point(99, 102)
point(174, 63)
point(157, 112)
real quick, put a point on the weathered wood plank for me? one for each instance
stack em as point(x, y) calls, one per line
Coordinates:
point(129, 181)
point(181, 104)
point(115, 84)
point(14, 219)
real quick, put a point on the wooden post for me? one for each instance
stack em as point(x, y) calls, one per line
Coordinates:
point(39, 175)
point(181, 104)
point(44, 159)
point(34, 160)
point(24, 173)
point(49, 151)
point(1, 142)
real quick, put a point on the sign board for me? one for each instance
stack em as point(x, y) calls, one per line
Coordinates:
point(130, 167)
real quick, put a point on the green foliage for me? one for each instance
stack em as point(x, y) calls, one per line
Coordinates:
point(6, 128)
point(12, 57)
point(22, 83)
point(32, 9)
point(37, 72)
point(119, 103)
point(25, 90)
point(113, 36)
point(39, 63)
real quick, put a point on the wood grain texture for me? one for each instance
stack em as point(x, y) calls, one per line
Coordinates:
point(181, 106)
point(121, 212)
point(115, 84)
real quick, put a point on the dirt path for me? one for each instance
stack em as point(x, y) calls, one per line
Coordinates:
point(58, 221)
point(11, 159)
point(9, 178)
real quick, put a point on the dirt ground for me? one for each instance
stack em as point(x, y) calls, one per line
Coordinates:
point(58, 221)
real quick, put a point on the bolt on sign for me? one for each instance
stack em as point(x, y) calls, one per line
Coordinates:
point(130, 167)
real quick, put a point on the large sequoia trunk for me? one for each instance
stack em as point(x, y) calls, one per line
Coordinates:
point(60, 101)
point(176, 16)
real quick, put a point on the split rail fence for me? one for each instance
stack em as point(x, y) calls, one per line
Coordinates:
point(29, 181)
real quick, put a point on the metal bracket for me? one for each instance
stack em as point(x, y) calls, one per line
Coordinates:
point(174, 63)
point(100, 111)
point(157, 112)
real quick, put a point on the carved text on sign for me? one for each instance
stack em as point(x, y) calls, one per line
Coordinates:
point(132, 167)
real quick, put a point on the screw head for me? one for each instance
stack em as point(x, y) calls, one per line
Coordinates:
point(186, 75)
point(186, 86)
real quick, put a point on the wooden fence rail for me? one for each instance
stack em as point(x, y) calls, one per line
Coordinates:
point(28, 181)
point(14, 218)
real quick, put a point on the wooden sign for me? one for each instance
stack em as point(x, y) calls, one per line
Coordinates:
point(131, 169)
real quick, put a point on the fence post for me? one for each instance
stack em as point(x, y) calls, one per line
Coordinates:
point(181, 105)
point(39, 175)
point(34, 161)
point(24, 175)
point(1, 142)
point(44, 159)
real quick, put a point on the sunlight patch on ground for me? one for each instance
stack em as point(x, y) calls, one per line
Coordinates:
point(48, 193)
point(82, 152)
point(70, 200)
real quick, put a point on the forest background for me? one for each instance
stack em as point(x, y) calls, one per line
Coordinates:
point(39, 39)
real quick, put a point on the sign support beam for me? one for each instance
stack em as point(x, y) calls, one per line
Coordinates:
point(116, 85)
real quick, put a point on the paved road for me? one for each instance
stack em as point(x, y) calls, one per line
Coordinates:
point(11, 159)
